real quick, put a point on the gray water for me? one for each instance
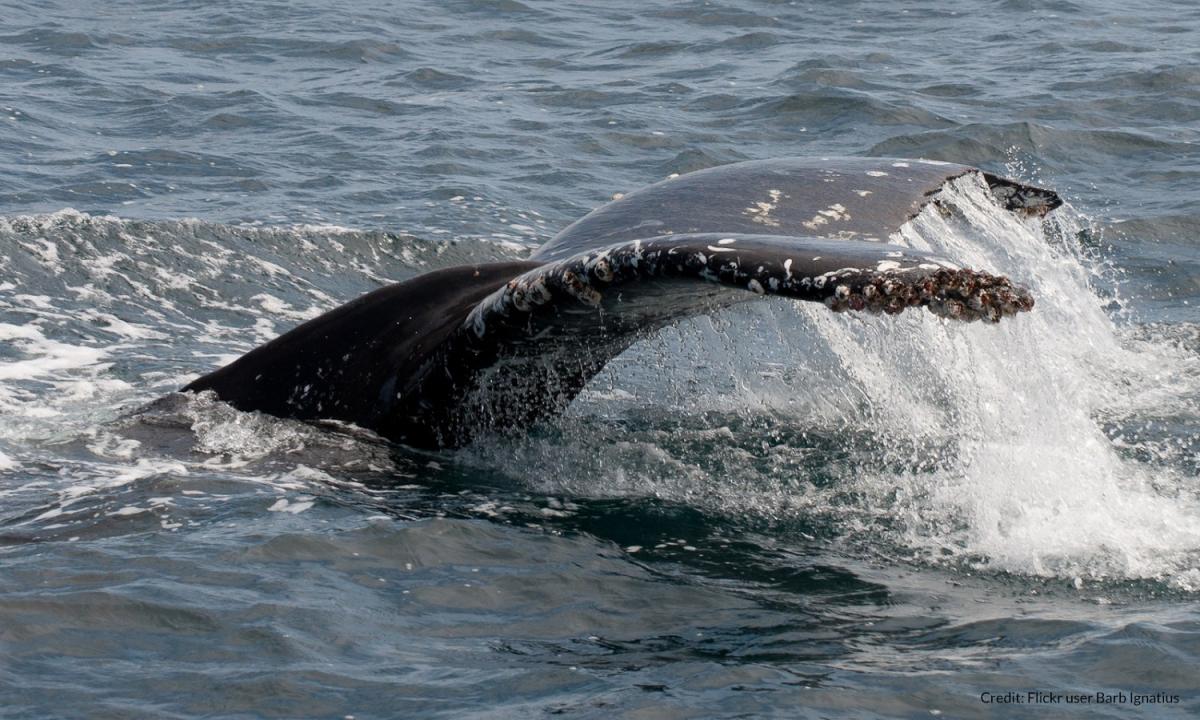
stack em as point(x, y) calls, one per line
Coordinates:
point(776, 512)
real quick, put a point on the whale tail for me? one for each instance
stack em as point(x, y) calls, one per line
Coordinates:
point(433, 361)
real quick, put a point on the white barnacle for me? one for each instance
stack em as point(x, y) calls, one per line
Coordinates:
point(602, 269)
point(755, 287)
point(580, 290)
point(885, 265)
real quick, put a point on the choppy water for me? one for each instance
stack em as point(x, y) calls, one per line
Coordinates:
point(778, 512)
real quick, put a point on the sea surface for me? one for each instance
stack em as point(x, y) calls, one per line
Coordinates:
point(775, 512)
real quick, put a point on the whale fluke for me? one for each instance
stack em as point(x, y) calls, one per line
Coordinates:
point(435, 360)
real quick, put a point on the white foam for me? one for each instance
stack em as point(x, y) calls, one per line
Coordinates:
point(220, 429)
point(287, 506)
point(278, 308)
point(123, 328)
point(1035, 485)
point(48, 356)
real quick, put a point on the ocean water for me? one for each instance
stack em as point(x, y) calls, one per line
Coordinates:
point(775, 512)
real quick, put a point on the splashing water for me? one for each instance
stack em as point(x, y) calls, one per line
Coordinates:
point(1037, 486)
point(990, 446)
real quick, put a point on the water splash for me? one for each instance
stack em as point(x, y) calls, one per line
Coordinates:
point(1036, 485)
point(1004, 448)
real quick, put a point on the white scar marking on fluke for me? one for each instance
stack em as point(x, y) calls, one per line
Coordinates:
point(761, 211)
point(726, 241)
point(863, 193)
point(900, 164)
point(876, 173)
point(714, 248)
point(836, 211)
point(885, 265)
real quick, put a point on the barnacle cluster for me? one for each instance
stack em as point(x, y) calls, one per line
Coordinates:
point(967, 295)
point(952, 293)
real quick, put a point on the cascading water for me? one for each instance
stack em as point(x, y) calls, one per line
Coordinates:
point(1037, 485)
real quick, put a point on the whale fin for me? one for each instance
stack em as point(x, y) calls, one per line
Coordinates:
point(526, 350)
